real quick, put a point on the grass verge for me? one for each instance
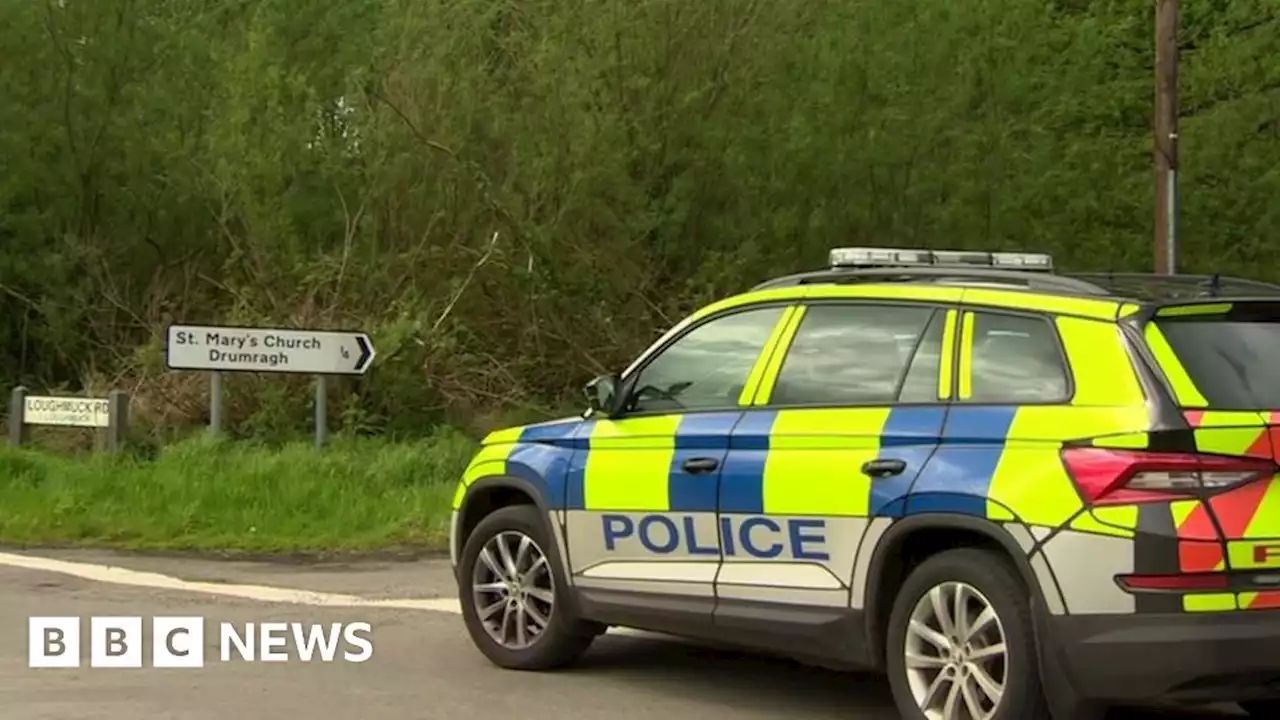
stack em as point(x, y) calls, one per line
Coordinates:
point(355, 495)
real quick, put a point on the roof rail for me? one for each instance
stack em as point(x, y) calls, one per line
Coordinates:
point(1158, 288)
point(935, 274)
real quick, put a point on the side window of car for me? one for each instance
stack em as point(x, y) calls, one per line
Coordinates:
point(921, 383)
point(707, 367)
point(1015, 359)
point(858, 354)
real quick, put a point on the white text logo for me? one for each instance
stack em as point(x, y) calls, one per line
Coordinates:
point(179, 642)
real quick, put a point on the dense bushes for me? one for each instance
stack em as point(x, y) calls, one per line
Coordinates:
point(514, 195)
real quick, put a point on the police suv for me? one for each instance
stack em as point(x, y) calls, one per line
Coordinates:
point(1019, 494)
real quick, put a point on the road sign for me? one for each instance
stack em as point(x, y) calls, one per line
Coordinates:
point(270, 350)
point(66, 411)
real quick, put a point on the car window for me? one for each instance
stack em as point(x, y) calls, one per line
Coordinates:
point(1016, 359)
point(853, 355)
point(1232, 363)
point(921, 384)
point(707, 367)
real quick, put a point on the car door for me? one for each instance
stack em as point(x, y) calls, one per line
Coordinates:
point(643, 538)
point(841, 425)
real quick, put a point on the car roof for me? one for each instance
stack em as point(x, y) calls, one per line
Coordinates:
point(1101, 296)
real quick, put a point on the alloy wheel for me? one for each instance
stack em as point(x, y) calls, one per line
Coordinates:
point(956, 657)
point(513, 590)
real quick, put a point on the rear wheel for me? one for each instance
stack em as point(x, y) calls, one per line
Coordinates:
point(514, 597)
point(1262, 708)
point(960, 642)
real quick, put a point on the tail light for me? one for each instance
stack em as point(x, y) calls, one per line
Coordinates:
point(1106, 476)
point(1192, 582)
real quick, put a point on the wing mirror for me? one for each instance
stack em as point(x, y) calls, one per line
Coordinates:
point(602, 395)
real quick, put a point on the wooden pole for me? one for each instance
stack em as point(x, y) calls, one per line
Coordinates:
point(1166, 137)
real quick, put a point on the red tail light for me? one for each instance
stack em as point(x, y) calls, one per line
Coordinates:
point(1180, 583)
point(1107, 476)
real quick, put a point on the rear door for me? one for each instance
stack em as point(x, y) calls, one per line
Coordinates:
point(1222, 363)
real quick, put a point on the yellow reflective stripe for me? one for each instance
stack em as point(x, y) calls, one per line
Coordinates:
point(798, 292)
point(966, 357)
point(1182, 509)
point(1104, 374)
point(1061, 423)
point(490, 460)
point(1266, 518)
point(1030, 477)
point(769, 374)
point(747, 298)
point(945, 369)
point(633, 474)
point(1129, 309)
point(1209, 602)
point(814, 460)
point(1031, 480)
point(1125, 516)
point(504, 436)
point(771, 348)
point(1057, 304)
point(1190, 310)
point(1227, 435)
point(1248, 421)
point(1243, 555)
point(1128, 441)
point(1184, 390)
point(920, 293)
point(1118, 521)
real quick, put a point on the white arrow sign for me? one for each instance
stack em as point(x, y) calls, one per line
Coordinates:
point(229, 349)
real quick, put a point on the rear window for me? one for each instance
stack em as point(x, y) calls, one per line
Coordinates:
point(1235, 364)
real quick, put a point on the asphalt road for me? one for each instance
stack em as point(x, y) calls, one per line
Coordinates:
point(423, 665)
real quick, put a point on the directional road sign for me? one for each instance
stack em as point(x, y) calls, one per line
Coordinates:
point(230, 349)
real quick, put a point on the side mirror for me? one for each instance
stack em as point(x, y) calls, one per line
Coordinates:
point(602, 394)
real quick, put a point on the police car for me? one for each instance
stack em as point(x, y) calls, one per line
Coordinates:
point(1020, 494)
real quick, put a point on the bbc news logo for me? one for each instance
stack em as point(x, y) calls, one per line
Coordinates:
point(179, 642)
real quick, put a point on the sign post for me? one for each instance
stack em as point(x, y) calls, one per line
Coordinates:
point(109, 414)
point(221, 349)
point(215, 403)
point(322, 411)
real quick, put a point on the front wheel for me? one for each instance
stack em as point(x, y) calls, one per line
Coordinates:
point(960, 642)
point(514, 597)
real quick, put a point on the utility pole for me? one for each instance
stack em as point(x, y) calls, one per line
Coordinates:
point(1166, 137)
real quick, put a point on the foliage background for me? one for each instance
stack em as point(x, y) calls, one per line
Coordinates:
point(514, 195)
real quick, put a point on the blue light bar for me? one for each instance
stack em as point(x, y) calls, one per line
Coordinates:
point(869, 257)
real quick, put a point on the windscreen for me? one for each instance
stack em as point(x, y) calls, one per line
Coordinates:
point(1233, 361)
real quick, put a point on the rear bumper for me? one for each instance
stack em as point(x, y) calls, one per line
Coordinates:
point(1181, 657)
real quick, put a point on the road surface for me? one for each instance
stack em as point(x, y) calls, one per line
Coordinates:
point(423, 665)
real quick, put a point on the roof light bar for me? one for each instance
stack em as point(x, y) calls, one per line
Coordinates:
point(864, 257)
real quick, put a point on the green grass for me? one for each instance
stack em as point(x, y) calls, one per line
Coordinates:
point(355, 495)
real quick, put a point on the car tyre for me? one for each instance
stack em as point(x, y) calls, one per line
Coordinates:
point(521, 620)
point(1262, 708)
point(994, 650)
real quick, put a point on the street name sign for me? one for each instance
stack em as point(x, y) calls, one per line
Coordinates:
point(66, 411)
point(268, 350)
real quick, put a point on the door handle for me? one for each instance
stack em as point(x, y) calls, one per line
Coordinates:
point(884, 467)
point(698, 466)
